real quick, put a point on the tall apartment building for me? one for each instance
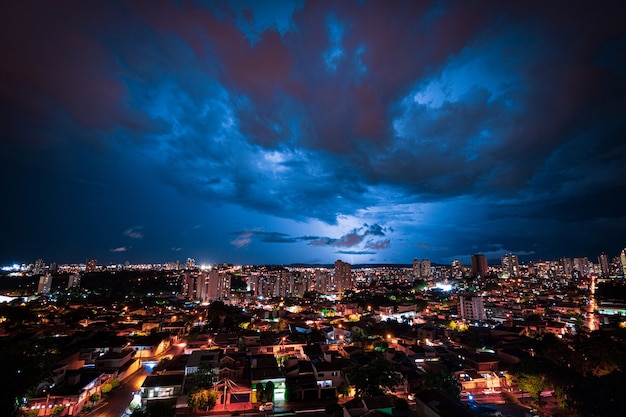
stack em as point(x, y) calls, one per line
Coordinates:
point(425, 268)
point(90, 265)
point(190, 263)
point(456, 269)
point(39, 267)
point(566, 267)
point(343, 276)
point(45, 284)
point(73, 281)
point(603, 260)
point(212, 285)
point(189, 285)
point(322, 281)
point(479, 265)
point(417, 273)
point(471, 307)
point(622, 259)
point(581, 265)
point(510, 266)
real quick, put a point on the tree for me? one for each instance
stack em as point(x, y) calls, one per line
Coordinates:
point(375, 378)
point(533, 385)
point(269, 391)
point(343, 389)
point(115, 383)
point(260, 392)
point(202, 398)
point(202, 378)
point(57, 410)
point(444, 381)
point(95, 397)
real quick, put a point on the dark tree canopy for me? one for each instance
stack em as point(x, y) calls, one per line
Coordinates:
point(375, 378)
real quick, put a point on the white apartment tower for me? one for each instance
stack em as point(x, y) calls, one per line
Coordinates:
point(471, 307)
point(73, 281)
point(45, 284)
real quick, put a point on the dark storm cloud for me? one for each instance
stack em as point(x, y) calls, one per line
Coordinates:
point(268, 237)
point(355, 252)
point(356, 238)
point(333, 110)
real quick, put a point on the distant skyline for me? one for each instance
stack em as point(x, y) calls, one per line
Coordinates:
point(279, 132)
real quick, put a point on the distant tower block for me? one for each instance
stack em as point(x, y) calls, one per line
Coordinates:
point(479, 265)
point(343, 276)
point(45, 284)
point(417, 273)
point(73, 281)
point(471, 307)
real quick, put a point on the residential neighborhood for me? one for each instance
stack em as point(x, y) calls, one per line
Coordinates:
point(233, 339)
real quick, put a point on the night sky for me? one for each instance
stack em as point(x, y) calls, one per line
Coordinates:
point(281, 132)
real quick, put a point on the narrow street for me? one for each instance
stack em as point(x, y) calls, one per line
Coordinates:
point(117, 401)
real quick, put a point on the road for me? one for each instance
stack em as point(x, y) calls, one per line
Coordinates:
point(500, 402)
point(117, 401)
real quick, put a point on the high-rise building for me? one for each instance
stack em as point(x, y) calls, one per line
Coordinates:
point(343, 276)
point(189, 286)
point(479, 265)
point(581, 265)
point(45, 284)
point(622, 259)
point(39, 267)
point(456, 269)
point(566, 267)
point(190, 264)
point(510, 266)
point(471, 307)
point(417, 273)
point(73, 281)
point(90, 265)
point(322, 281)
point(425, 268)
point(603, 260)
point(212, 286)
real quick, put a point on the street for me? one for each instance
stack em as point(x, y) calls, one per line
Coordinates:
point(117, 401)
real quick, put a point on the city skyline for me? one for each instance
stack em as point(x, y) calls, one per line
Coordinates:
point(308, 132)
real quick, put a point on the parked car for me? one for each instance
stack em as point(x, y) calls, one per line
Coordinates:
point(266, 407)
